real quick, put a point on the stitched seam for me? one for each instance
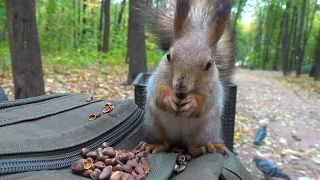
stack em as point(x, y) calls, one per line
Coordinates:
point(38, 103)
point(79, 103)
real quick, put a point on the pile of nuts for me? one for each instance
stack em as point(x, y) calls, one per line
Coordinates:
point(106, 163)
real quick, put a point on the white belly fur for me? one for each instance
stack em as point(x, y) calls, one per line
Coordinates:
point(178, 128)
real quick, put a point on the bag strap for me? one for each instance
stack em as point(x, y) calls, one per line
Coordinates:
point(31, 109)
point(19, 102)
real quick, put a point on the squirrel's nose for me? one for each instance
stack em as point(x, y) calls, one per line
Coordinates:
point(181, 84)
point(181, 80)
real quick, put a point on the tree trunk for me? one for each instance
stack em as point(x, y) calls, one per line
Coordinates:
point(3, 35)
point(105, 47)
point(267, 38)
point(136, 46)
point(317, 59)
point(308, 31)
point(24, 48)
point(276, 57)
point(115, 15)
point(258, 39)
point(239, 10)
point(285, 40)
point(84, 20)
point(299, 50)
point(60, 30)
point(92, 31)
point(74, 25)
point(100, 26)
point(293, 28)
point(123, 4)
point(79, 22)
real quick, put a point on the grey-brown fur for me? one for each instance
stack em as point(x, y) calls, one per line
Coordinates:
point(195, 41)
point(162, 25)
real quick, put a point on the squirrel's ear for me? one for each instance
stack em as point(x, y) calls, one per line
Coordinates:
point(181, 13)
point(219, 19)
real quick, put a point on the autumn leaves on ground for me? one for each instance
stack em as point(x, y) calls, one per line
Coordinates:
point(290, 107)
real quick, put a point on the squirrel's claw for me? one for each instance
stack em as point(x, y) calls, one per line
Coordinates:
point(171, 105)
point(217, 148)
point(186, 100)
point(189, 108)
point(197, 150)
point(156, 148)
point(141, 145)
point(152, 148)
point(208, 148)
point(175, 99)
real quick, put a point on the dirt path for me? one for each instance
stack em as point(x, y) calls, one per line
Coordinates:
point(293, 119)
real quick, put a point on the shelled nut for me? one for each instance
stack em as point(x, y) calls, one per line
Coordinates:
point(92, 117)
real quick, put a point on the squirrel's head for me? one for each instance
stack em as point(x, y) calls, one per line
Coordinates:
point(191, 58)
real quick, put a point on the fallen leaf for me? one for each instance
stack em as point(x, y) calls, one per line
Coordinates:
point(268, 142)
point(259, 176)
point(293, 157)
point(316, 160)
point(292, 152)
point(304, 178)
point(283, 141)
point(296, 138)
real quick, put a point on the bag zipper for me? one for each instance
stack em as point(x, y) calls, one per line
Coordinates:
point(68, 156)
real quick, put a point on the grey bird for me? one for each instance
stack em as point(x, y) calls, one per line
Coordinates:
point(269, 169)
point(261, 133)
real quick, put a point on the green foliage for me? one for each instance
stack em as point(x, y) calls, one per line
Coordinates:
point(306, 68)
point(3, 17)
point(252, 51)
point(4, 56)
point(62, 39)
point(66, 39)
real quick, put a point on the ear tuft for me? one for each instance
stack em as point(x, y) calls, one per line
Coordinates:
point(219, 20)
point(181, 14)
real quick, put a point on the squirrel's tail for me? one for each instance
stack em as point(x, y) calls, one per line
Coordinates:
point(162, 23)
point(162, 26)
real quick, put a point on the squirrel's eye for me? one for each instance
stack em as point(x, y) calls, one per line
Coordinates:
point(168, 57)
point(207, 67)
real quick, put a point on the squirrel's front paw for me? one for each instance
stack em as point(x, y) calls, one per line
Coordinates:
point(170, 104)
point(152, 148)
point(192, 106)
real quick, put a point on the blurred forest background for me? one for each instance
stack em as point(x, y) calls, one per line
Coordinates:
point(271, 35)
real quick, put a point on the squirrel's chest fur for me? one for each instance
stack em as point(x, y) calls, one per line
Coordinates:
point(178, 129)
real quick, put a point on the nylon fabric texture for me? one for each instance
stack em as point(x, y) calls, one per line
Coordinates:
point(58, 125)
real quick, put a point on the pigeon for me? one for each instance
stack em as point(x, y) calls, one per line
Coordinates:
point(261, 133)
point(269, 169)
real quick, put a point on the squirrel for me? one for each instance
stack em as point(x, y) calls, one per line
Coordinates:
point(186, 93)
